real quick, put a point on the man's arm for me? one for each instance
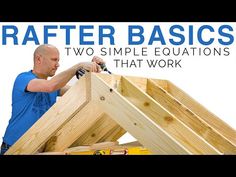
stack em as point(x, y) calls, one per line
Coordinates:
point(64, 89)
point(61, 79)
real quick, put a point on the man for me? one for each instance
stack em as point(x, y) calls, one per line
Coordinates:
point(33, 94)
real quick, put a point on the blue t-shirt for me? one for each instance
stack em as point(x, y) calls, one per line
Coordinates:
point(27, 107)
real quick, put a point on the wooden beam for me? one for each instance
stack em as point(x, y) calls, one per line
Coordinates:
point(134, 143)
point(96, 146)
point(189, 118)
point(146, 131)
point(114, 134)
point(211, 119)
point(113, 81)
point(97, 132)
point(51, 153)
point(60, 113)
point(169, 123)
point(76, 127)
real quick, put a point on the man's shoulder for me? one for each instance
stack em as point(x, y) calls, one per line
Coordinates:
point(25, 74)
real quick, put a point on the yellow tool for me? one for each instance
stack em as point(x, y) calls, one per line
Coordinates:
point(114, 151)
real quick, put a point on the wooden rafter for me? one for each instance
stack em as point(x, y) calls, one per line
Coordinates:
point(212, 120)
point(76, 127)
point(168, 122)
point(133, 120)
point(100, 131)
point(52, 120)
point(188, 117)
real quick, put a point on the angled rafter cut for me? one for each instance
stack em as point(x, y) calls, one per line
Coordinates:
point(101, 108)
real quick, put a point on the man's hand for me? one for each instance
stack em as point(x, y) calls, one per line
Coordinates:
point(98, 60)
point(90, 66)
point(93, 66)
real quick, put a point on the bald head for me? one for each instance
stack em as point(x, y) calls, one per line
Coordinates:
point(46, 60)
point(44, 50)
